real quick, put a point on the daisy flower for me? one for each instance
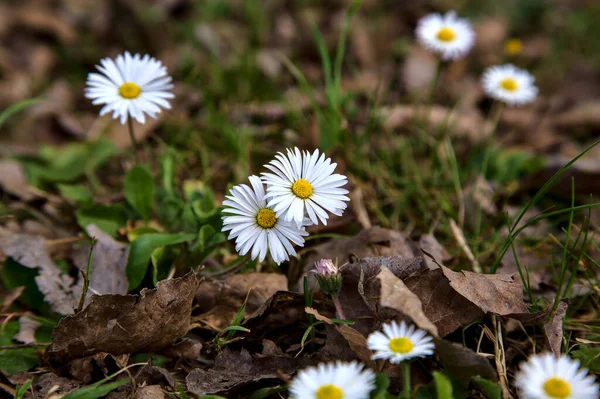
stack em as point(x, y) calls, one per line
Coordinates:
point(509, 84)
point(303, 184)
point(255, 226)
point(546, 377)
point(333, 381)
point(130, 86)
point(399, 343)
point(447, 35)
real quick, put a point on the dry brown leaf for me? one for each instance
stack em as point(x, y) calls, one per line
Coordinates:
point(554, 328)
point(14, 181)
point(59, 289)
point(27, 328)
point(432, 246)
point(462, 362)
point(446, 308)
point(418, 71)
point(492, 293)
point(109, 260)
point(396, 295)
point(120, 324)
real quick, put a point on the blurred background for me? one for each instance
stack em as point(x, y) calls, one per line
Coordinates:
point(249, 81)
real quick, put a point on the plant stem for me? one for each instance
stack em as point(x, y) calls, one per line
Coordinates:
point(86, 277)
point(406, 379)
point(338, 306)
point(133, 141)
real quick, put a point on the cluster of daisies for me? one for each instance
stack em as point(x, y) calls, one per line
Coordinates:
point(543, 376)
point(301, 190)
point(452, 37)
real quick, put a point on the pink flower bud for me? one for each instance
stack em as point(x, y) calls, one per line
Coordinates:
point(325, 267)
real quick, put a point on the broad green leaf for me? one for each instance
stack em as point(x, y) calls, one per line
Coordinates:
point(15, 360)
point(382, 383)
point(139, 190)
point(139, 231)
point(76, 192)
point(443, 386)
point(95, 391)
point(489, 388)
point(16, 275)
point(66, 164)
point(162, 259)
point(108, 218)
point(141, 250)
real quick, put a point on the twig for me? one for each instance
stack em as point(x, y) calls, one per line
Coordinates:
point(19, 346)
point(462, 243)
point(86, 277)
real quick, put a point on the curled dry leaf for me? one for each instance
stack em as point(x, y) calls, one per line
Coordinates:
point(554, 328)
point(492, 293)
point(59, 289)
point(462, 362)
point(372, 242)
point(445, 307)
point(219, 301)
point(119, 324)
point(396, 295)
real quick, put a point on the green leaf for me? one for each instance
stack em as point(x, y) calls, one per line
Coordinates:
point(162, 259)
point(236, 328)
point(139, 190)
point(21, 389)
point(66, 164)
point(141, 250)
point(76, 192)
point(15, 360)
point(95, 391)
point(139, 231)
point(108, 218)
point(589, 357)
point(13, 109)
point(16, 275)
point(382, 383)
point(443, 386)
point(489, 388)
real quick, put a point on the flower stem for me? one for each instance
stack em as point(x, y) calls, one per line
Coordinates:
point(405, 379)
point(338, 306)
point(133, 141)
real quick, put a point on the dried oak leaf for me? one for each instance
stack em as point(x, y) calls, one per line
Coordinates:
point(235, 374)
point(109, 260)
point(59, 289)
point(492, 293)
point(119, 324)
point(50, 382)
point(553, 329)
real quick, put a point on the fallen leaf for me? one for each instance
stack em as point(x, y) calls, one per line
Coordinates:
point(85, 368)
point(59, 289)
point(27, 328)
point(14, 181)
point(445, 307)
point(462, 362)
point(492, 293)
point(237, 373)
point(553, 329)
point(51, 383)
point(396, 295)
point(119, 324)
point(109, 260)
point(432, 246)
point(418, 71)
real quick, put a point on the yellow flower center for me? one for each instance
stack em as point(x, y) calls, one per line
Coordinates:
point(329, 391)
point(446, 34)
point(513, 47)
point(129, 90)
point(509, 84)
point(266, 218)
point(557, 388)
point(302, 188)
point(401, 345)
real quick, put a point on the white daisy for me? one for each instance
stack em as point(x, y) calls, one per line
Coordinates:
point(333, 381)
point(130, 85)
point(447, 35)
point(399, 343)
point(546, 377)
point(254, 225)
point(509, 84)
point(303, 184)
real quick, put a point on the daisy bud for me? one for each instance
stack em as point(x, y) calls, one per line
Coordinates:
point(328, 276)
